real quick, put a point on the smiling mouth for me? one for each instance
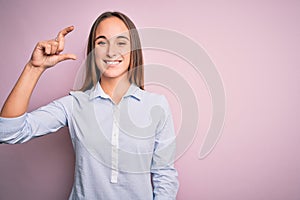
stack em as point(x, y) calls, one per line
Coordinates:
point(112, 62)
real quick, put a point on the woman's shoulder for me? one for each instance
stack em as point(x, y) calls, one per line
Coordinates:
point(153, 97)
point(78, 94)
point(73, 96)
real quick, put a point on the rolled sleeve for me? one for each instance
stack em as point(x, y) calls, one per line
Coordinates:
point(11, 124)
point(9, 128)
point(44, 120)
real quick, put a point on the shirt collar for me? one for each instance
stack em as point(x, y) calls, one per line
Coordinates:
point(133, 91)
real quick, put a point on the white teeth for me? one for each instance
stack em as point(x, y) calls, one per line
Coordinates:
point(112, 62)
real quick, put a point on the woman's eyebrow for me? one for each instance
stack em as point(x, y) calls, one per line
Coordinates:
point(100, 36)
point(118, 37)
point(122, 36)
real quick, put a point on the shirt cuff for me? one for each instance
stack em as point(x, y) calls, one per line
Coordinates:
point(11, 124)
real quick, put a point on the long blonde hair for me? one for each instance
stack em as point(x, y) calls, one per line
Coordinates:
point(136, 64)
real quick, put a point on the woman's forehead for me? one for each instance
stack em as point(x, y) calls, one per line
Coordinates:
point(111, 27)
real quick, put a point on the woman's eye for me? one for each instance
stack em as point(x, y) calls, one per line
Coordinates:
point(121, 43)
point(101, 43)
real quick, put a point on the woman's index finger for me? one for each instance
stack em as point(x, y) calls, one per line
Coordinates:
point(65, 31)
point(61, 38)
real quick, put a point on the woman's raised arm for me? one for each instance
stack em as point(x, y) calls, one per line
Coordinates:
point(45, 55)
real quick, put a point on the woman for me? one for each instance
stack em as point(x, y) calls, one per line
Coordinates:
point(123, 136)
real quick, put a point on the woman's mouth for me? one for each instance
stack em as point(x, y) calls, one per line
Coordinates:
point(112, 62)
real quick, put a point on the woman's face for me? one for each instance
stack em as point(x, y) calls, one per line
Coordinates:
point(112, 48)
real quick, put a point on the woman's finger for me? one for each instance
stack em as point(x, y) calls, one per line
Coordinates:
point(54, 47)
point(61, 38)
point(47, 47)
point(62, 57)
point(65, 31)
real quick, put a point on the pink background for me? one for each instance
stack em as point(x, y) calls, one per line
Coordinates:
point(255, 47)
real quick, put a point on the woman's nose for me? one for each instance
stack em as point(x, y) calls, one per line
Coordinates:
point(111, 51)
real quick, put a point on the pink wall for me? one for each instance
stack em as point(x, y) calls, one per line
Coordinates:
point(255, 48)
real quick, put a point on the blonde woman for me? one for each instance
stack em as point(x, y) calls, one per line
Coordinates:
point(123, 136)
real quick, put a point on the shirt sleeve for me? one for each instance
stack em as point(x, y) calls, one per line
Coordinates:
point(164, 174)
point(44, 120)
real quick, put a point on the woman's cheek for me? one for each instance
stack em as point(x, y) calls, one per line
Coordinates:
point(127, 59)
point(99, 56)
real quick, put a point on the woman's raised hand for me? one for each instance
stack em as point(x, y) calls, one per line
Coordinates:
point(47, 53)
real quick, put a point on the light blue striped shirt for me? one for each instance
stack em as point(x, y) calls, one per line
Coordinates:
point(123, 151)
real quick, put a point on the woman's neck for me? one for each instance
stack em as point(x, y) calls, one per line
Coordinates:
point(116, 88)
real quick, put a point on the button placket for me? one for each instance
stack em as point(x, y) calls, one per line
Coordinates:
point(115, 144)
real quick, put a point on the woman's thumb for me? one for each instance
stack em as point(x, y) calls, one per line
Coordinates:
point(62, 57)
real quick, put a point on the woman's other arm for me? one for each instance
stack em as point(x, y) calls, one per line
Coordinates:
point(164, 174)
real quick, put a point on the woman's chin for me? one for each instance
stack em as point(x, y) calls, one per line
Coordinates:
point(111, 74)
